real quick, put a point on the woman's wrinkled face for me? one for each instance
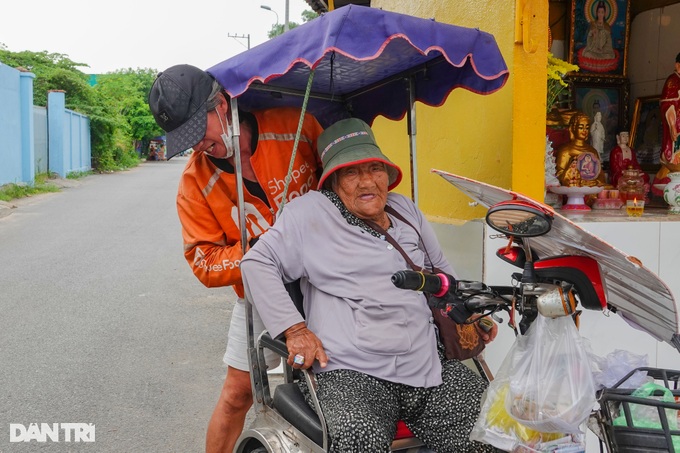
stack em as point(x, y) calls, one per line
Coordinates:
point(362, 188)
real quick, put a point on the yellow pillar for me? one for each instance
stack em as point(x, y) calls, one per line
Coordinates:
point(530, 56)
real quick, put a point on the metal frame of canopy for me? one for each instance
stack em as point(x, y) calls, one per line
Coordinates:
point(427, 60)
point(364, 59)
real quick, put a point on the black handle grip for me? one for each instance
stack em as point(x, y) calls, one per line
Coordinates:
point(418, 281)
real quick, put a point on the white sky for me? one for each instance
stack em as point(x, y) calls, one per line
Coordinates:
point(135, 34)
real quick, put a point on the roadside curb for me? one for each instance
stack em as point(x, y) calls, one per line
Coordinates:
point(64, 183)
point(6, 208)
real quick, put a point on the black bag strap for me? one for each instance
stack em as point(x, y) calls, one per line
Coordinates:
point(389, 209)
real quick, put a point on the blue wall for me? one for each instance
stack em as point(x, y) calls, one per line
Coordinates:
point(27, 129)
point(68, 136)
point(40, 138)
point(68, 148)
point(10, 125)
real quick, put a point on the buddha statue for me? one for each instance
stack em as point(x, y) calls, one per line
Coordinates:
point(578, 154)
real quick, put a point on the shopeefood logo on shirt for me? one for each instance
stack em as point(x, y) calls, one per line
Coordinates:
point(52, 432)
point(303, 173)
point(200, 262)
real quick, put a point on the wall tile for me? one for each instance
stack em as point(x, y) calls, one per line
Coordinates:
point(643, 47)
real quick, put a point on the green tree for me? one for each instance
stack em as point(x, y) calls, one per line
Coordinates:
point(126, 92)
point(308, 15)
point(277, 29)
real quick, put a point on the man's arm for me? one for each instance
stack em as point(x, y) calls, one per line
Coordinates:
point(214, 258)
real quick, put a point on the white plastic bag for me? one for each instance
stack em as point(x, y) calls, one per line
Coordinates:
point(551, 386)
point(497, 427)
point(609, 370)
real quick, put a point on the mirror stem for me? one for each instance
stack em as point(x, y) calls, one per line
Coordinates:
point(528, 276)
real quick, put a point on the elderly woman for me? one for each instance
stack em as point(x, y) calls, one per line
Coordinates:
point(373, 346)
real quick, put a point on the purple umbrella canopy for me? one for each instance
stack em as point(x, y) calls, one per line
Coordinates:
point(362, 59)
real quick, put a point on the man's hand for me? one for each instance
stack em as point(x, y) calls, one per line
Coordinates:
point(304, 347)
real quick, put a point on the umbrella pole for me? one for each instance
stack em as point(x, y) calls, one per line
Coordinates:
point(255, 380)
point(411, 120)
point(236, 127)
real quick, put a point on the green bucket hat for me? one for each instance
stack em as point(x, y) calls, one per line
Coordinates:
point(351, 142)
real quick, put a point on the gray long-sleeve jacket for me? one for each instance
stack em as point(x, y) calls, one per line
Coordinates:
point(365, 323)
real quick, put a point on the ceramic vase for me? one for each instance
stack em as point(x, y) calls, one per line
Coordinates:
point(671, 193)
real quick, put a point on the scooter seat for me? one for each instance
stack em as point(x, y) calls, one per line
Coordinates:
point(403, 432)
point(290, 403)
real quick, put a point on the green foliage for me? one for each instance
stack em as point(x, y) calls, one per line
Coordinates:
point(277, 29)
point(116, 106)
point(78, 174)
point(308, 15)
point(126, 92)
point(11, 191)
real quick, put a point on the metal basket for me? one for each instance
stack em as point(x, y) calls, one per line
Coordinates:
point(622, 428)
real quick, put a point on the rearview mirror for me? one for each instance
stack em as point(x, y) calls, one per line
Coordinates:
point(519, 219)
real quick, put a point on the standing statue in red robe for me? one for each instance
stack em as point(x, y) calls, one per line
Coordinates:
point(621, 158)
point(670, 118)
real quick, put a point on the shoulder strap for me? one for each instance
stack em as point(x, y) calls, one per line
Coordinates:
point(393, 241)
point(396, 214)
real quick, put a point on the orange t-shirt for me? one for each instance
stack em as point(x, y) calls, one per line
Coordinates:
point(207, 197)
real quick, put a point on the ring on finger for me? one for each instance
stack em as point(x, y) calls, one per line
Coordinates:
point(299, 359)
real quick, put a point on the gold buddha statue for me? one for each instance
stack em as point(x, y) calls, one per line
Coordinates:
point(578, 154)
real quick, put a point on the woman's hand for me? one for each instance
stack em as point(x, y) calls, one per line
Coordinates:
point(304, 347)
point(486, 328)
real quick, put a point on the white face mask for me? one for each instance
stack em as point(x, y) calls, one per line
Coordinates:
point(227, 136)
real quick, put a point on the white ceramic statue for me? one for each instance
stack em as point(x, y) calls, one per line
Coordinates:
point(597, 133)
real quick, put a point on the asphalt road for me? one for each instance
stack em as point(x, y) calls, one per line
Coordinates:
point(102, 321)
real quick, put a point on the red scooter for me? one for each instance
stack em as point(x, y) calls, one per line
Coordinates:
point(556, 286)
point(550, 286)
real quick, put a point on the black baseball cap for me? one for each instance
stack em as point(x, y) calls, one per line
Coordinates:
point(178, 104)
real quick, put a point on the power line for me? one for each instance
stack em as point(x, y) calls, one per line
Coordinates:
point(237, 37)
